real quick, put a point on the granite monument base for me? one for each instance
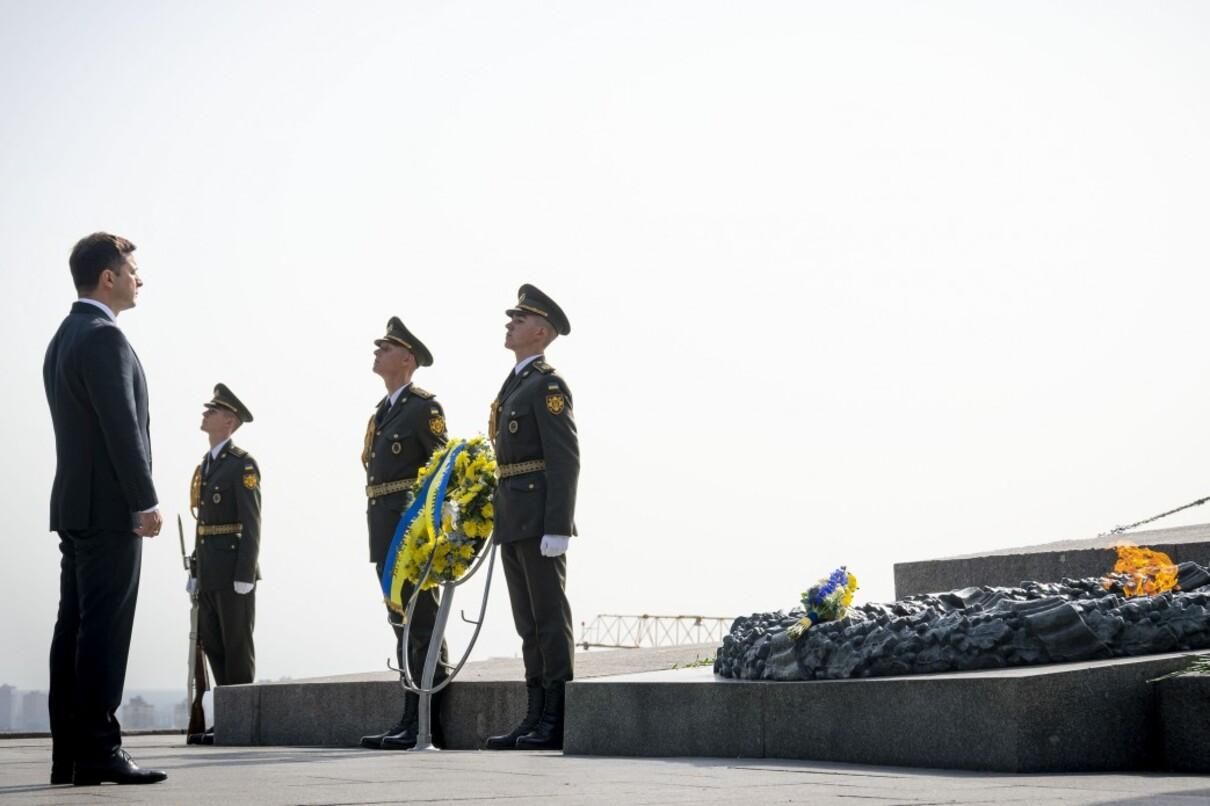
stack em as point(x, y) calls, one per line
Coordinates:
point(1087, 716)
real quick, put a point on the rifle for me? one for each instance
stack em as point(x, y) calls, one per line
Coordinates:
point(198, 681)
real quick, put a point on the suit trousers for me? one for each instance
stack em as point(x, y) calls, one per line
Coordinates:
point(98, 589)
point(224, 625)
point(541, 613)
point(421, 632)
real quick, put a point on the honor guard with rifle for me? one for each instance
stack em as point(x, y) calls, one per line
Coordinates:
point(405, 429)
point(538, 452)
point(226, 498)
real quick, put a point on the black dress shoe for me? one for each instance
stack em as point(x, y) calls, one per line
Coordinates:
point(60, 772)
point(201, 738)
point(403, 740)
point(374, 740)
point(117, 769)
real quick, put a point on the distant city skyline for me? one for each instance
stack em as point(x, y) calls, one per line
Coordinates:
point(141, 709)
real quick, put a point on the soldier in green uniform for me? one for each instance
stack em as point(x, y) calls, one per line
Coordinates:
point(538, 452)
point(225, 497)
point(408, 425)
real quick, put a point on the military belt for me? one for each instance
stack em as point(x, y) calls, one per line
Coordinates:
point(211, 529)
point(504, 471)
point(388, 487)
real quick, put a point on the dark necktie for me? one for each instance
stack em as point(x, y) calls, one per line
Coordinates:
point(383, 408)
point(509, 384)
point(206, 464)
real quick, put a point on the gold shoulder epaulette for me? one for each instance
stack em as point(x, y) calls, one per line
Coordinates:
point(543, 367)
point(420, 392)
point(240, 452)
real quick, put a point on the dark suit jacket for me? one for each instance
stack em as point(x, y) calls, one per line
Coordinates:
point(228, 494)
point(534, 421)
point(413, 428)
point(98, 404)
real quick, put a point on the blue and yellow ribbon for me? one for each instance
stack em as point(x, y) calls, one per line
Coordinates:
point(428, 505)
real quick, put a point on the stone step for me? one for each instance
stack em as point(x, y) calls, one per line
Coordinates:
point(1090, 716)
point(1047, 562)
point(488, 697)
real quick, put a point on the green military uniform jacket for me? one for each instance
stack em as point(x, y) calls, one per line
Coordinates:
point(395, 451)
point(532, 422)
point(227, 501)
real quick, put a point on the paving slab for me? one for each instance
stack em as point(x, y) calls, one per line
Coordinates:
point(1046, 562)
point(327, 777)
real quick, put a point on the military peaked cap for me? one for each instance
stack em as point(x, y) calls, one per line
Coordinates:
point(224, 399)
point(398, 334)
point(531, 300)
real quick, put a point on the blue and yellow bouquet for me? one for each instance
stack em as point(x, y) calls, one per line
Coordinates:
point(826, 600)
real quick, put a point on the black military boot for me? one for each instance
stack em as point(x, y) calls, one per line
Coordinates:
point(533, 713)
point(406, 738)
point(548, 734)
point(374, 741)
point(435, 718)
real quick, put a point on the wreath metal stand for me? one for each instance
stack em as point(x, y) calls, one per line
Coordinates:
point(407, 678)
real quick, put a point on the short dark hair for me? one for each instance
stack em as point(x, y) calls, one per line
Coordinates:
point(94, 254)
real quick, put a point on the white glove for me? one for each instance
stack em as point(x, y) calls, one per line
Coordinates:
point(554, 545)
point(244, 587)
point(191, 586)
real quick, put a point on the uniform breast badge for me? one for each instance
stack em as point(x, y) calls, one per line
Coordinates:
point(396, 448)
point(512, 426)
point(556, 403)
point(217, 498)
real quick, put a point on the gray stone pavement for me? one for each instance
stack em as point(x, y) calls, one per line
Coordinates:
point(284, 775)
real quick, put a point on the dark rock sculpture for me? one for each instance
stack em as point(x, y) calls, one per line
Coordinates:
point(974, 628)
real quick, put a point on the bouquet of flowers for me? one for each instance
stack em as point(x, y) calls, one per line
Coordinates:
point(826, 600)
point(448, 522)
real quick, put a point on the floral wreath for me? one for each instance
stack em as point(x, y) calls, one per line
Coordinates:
point(826, 600)
point(448, 522)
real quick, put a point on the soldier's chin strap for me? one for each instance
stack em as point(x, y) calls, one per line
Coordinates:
point(1117, 530)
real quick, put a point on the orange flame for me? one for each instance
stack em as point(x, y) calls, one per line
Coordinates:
point(1148, 572)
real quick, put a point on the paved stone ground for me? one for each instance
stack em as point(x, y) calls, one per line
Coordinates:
point(316, 776)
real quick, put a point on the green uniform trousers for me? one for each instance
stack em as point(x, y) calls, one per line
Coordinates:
point(421, 632)
point(224, 625)
point(541, 612)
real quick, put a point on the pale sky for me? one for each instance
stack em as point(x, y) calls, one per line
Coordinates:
point(848, 283)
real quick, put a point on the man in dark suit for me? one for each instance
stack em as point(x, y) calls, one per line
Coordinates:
point(225, 497)
point(405, 429)
point(538, 451)
point(102, 505)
